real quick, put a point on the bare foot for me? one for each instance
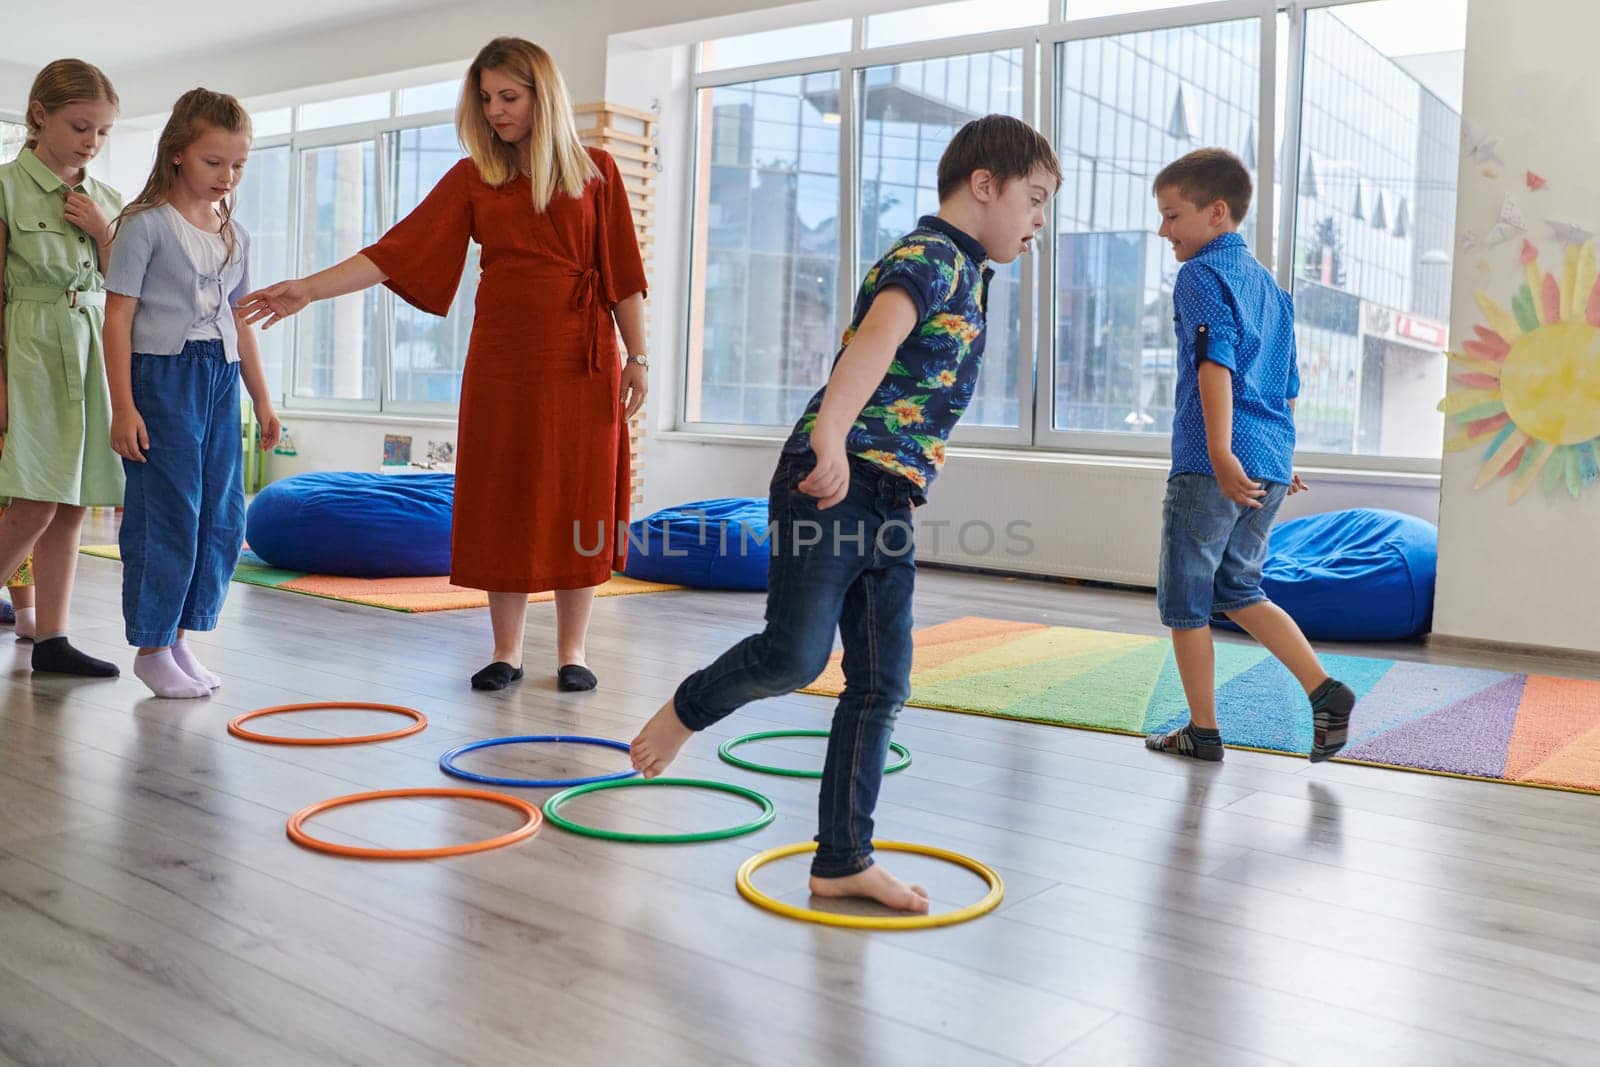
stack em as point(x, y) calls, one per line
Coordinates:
point(658, 743)
point(874, 883)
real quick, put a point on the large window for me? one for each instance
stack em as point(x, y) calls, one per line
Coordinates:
point(1129, 104)
point(324, 181)
point(1374, 226)
point(428, 352)
point(1346, 115)
point(336, 350)
point(263, 209)
point(909, 112)
point(767, 242)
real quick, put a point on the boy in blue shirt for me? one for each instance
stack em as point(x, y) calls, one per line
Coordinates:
point(861, 456)
point(1232, 452)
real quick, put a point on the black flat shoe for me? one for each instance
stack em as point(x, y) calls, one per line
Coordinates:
point(496, 675)
point(575, 679)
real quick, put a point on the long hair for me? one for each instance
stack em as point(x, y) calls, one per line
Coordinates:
point(195, 112)
point(66, 81)
point(557, 161)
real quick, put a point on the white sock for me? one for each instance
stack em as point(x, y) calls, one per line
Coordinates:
point(165, 678)
point(26, 623)
point(193, 667)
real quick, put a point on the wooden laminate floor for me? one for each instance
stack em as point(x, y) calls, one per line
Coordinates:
point(1260, 911)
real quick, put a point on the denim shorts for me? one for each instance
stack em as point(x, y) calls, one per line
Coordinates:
point(1211, 550)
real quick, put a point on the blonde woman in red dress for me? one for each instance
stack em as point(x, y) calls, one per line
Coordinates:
point(542, 451)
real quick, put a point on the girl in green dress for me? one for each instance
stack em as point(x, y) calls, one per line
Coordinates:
point(55, 407)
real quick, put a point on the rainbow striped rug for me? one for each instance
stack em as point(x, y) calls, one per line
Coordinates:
point(1528, 729)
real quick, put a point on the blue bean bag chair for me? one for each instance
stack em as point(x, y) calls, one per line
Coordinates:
point(1357, 575)
point(707, 544)
point(354, 525)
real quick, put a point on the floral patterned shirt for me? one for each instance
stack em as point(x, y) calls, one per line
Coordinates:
point(905, 425)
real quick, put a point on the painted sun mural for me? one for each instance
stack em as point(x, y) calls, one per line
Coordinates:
point(1527, 386)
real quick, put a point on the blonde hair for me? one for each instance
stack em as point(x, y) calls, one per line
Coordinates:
point(195, 112)
point(557, 161)
point(66, 81)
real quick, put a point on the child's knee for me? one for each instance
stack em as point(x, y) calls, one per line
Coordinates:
point(32, 516)
point(788, 666)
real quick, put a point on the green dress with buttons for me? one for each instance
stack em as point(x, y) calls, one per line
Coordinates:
point(58, 442)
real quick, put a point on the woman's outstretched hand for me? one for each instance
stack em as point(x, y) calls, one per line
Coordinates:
point(274, 303)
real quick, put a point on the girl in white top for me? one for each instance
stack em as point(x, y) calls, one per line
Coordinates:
point(174, 357)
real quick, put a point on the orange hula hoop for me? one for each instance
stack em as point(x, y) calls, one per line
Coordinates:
point(236, 726)
point(297, 834)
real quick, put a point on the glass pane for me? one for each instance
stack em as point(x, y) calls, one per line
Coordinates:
point(1115, 351)
point(954, 20)
point(271, 123)
point(343, 112)
point(764, 327)
point(775, 46)
point(1375, 224)
point(440, 96)
point(337, 344)
point(429, 352)
point(1093, 9)
point(12, 136)
point(909, 113)
point(262, 206)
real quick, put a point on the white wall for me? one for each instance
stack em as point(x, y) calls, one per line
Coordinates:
point(1090, 517)
point(1522, 573)
point(15, 80)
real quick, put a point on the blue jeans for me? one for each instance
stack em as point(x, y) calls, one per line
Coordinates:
point(1212, 550)
point(850, 568)
point(183, 515)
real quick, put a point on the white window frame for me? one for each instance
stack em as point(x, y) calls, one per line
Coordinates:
point(378, 134)
point(1041, 45)
point(1265, 13)
point(851, 69)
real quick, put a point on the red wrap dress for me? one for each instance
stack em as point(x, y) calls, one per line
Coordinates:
point(542, 457)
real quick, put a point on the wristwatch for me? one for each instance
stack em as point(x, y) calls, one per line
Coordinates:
point(642, 361)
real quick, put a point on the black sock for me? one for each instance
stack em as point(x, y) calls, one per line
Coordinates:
point(576, 678)
point(55, 656)
point(496, 675)
point(1331, 703)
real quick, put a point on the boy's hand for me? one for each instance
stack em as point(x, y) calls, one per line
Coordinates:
point(829, 481)
point(1297, 486)
point(1236, 484)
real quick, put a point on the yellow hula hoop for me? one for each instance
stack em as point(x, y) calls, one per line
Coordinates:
point(990, 901)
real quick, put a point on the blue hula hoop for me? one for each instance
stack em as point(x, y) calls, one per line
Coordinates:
point(447, 761)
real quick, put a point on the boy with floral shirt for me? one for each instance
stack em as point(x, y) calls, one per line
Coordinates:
point(865, 451)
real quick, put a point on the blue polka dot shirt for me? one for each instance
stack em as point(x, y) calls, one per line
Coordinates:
point(1230, 310)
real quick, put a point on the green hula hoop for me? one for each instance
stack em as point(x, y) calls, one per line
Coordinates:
point(552, 811)
point(725, 750)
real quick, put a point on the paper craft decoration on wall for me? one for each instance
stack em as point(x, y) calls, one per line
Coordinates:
point(1535, 183)
point(1569, 233)
point(1527, 386)
point(1510, 224)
